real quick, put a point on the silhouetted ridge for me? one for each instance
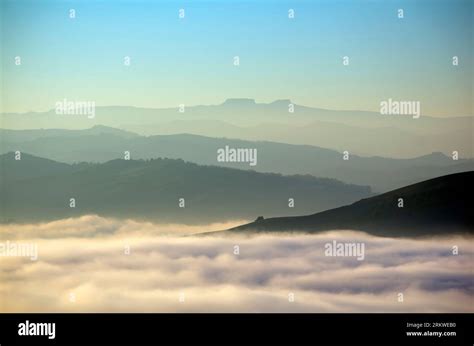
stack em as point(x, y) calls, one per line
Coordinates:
point(438, 206)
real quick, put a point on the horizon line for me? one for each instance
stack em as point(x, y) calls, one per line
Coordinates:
point(223, 103)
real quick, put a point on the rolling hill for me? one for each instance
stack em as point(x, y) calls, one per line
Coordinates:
point(36, 189)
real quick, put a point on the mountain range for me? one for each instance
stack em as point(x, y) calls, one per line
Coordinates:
point(101, 144)
point(359, 132)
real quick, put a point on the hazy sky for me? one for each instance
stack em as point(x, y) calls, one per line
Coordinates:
point(190, 60)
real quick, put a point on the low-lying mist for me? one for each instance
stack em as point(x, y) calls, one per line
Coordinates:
point(93, 264)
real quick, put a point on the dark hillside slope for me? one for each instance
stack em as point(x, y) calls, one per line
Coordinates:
point(438, 206)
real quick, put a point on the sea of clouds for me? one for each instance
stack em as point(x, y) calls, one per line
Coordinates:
point(84, 265)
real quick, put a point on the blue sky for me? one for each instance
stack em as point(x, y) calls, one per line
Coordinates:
point(190, 60)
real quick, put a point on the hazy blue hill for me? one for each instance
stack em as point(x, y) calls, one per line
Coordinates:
point(369, 141)
point(382, 174)
point(29, 166)
point(15, 136)
point(361, 132)
point(151, 189)
point(438, 206)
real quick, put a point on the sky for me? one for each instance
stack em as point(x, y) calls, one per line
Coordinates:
point(190, 60)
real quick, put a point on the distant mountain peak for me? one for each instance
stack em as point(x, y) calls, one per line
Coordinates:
point(239, 102)
point(101, 129)
point(437, 154)
point(105, 128)
point(251, 102)
point(285, 102)
point(246, 102)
